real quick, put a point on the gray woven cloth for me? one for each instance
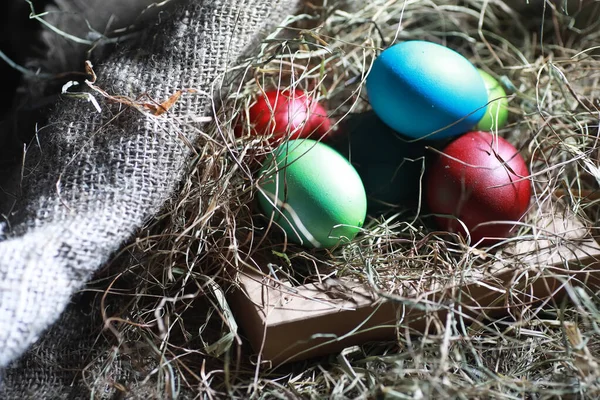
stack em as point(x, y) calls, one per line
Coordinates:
point(93, 178)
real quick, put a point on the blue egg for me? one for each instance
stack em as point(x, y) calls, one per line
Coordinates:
point(418, 88)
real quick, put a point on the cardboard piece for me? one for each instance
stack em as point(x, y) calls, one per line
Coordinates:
point(285, 323)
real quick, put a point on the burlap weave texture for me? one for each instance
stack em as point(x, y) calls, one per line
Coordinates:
point(96, 177)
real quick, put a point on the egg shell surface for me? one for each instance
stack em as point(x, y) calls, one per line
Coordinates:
point(389, 166)
point(314, 194)
point(479, 178)
point(497, 111)
point(418, 88)
point(290, 114)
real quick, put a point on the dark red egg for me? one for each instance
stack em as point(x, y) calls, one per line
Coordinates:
point(483, 181)
point(288, 114)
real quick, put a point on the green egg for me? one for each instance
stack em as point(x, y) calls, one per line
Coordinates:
point(389, 165)
point(497, 111)
point(313, 193)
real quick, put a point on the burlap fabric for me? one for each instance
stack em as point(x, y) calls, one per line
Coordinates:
point(93, 178)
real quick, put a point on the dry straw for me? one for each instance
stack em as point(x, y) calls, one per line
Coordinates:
point(174, 319)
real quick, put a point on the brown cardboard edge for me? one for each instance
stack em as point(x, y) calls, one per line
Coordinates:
point(285, 324)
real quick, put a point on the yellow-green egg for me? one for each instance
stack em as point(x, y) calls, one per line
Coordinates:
point(313, 193)
point(497, 111)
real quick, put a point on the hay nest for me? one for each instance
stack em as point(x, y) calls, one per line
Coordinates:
point(176, 314)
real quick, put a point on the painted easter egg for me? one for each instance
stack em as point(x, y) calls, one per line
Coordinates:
point(425, 90)
point(313, 193)
point(390, 167)
point(290, 114)
point(481, 180)
point(497, 111)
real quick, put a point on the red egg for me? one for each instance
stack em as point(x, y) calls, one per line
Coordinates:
point(288, 114)
point(479, 179)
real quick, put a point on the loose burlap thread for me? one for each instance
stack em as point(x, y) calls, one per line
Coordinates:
point(93, 178)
